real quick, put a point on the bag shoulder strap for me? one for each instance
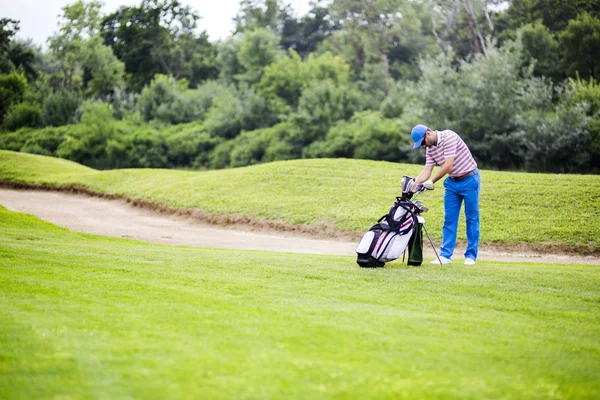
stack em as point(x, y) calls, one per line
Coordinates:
point(397, 225)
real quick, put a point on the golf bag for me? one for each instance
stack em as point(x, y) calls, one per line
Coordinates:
point(400, 228)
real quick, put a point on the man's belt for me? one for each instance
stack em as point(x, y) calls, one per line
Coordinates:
point(465, 176)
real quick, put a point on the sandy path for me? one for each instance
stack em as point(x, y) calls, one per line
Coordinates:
point(82, 213)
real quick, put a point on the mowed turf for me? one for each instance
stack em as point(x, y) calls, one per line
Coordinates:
point(516, 208)
point(85, 316)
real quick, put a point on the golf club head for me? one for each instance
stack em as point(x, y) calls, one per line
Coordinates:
point(420, 206)
point(407, 183)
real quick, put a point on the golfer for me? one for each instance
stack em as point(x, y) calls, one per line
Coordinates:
point(446, 149)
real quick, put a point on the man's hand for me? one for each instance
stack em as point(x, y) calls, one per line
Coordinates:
point(428, 184)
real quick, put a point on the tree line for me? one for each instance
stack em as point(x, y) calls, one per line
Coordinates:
point(145, 87)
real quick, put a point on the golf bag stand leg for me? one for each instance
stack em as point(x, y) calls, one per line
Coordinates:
point(432, 245)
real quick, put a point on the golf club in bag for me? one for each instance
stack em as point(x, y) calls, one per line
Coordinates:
point(401, 228)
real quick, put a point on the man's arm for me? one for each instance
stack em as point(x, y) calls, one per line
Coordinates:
point(424, 175)
point(444, 169)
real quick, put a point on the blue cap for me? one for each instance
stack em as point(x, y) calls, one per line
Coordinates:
point(418, 132)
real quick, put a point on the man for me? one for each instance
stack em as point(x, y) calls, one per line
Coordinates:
point(446, 149)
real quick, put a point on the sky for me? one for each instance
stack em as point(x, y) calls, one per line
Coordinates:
point(39, 17)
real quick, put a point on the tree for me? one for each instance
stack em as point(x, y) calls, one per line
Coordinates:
point(463, 25)
point(8, 28)
point(244, 58)
point(78, 47)
point(15, 54)
point(168, 100)
point(12, 89)
point(322, 104)
point(255, 14)
point(553, 14)
point(287, 77)
point(389, 35)
point(59, 108)
point(105, 72)
point(284, 79)
point(158, 37)
point(236, 109)
point(540, 47)
point(482, 99)
point(21, 55)
point(78, 23)
point(587, 94)
point(370, 26)
point(304, 35)
point(581, 43)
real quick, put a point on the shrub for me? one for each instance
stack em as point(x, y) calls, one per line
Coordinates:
point(263, 145)
point(588, 93)
point(12, 89)
point(219, 158)
point(143, 148)
point(170, 101)
point(88, 145)
point(22, 115)
point(235, 110)
point(368, 136)
point(14, 141)
point(189, 145)
point(322, 105)
point(60, 108)
point(287, 77)
point(45, 141)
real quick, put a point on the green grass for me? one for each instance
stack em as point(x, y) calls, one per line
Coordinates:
point(84, 316)
point(533, 209)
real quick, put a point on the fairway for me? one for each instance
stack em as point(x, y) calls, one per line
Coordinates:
point(85, 316)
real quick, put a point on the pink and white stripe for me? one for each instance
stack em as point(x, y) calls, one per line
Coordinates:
point(451, 145)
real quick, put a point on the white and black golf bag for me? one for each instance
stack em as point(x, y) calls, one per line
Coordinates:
point(400, 228)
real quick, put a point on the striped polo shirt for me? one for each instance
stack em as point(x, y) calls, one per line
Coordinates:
point(451, 145)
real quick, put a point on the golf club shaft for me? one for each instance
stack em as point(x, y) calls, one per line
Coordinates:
point(432, 245)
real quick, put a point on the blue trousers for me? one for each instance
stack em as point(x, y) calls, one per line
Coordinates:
point(466, 190)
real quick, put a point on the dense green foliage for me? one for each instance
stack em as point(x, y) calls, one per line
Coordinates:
point(83, 315)
point(517, 83)
point(516, 208)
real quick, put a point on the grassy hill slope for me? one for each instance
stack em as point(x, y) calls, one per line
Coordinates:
point(516, 208)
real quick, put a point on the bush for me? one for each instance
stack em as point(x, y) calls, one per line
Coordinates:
point(257, 48)
point(60, 108)
point(558, 139)
point(170, 101)
point(219, 158)
point(368, 136)
point(322, 105)
point(587, 93)
point(88, 145)
point(143, 148)
point(395, 103)
point(263, 145)
point(12, 89)
point(205, 94)
point(22, 115)
point(14, 141)
point(235, 110)
point(287, 77)
point(46, 141)
point(189, 145)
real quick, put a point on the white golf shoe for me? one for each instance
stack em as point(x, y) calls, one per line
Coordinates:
point(469, 261)
point(442, 260)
